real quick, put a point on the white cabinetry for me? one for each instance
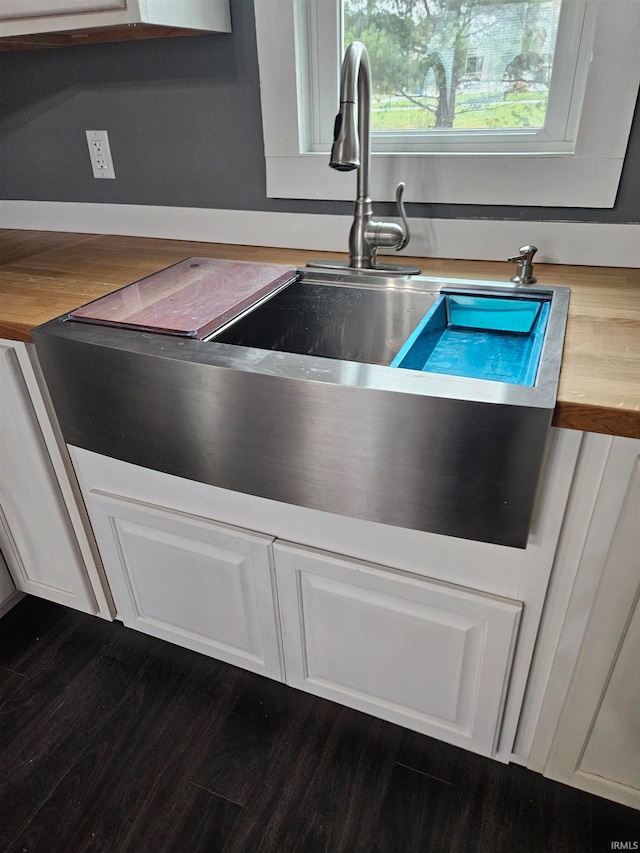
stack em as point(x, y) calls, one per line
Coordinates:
point(425, 654)
point(58, 22)
point(183, 578)
point(410, 626)
point(42, 534)
point(589, 730)
point(24, 9)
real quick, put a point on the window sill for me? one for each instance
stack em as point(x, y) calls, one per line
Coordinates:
point(521, 180)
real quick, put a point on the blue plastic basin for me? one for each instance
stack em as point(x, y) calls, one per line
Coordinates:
point(481, 337)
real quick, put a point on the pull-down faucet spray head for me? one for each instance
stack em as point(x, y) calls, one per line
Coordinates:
point(351, 137)
point(345, 151)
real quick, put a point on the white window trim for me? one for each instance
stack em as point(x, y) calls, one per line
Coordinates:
point(589, 177)
point(576, 30)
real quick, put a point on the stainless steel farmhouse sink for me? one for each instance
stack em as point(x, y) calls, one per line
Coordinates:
point(412, 401)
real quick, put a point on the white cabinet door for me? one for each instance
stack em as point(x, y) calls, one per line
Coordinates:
point(431, 656)
point(10, 9)
point(186, 579)
point(596, 745)
point(36, 534)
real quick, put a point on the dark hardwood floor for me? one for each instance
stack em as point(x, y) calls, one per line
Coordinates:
point(113, 741)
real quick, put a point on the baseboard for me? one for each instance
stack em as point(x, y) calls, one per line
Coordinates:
point(10, 602)
point(582, 243)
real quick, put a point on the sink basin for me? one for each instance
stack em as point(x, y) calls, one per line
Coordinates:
point(341, 393)
point(497, 336)
point(366, 324)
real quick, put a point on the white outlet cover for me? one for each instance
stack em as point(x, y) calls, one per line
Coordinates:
point(100, 154)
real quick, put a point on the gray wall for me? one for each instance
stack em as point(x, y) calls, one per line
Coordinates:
point(184, 123)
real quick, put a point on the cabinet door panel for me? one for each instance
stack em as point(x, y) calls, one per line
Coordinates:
point(427, 655)
point(343, 629)
point(35, 531)
point(211, 595)
point(11, 9)
point(596, 745)
point(613, 747)
point(191, 581)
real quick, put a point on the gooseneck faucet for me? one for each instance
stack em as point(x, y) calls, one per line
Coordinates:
point(351, 150)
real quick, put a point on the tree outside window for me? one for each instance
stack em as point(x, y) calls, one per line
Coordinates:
point(456, 64)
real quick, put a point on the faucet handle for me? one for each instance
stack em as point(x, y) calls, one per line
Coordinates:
point(401, 211)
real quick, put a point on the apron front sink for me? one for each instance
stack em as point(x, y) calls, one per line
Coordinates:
point(334, 394)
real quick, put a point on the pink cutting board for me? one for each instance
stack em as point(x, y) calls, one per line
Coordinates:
point(192, 298)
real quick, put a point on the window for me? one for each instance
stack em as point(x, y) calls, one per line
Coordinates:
point(569, 154)
point(473, 65)
point(514, 28)
point(465, 65)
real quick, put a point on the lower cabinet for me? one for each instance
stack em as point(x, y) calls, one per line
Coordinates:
point(186, 579)
point(596, 742)
point(43, 532)
point(425, 654)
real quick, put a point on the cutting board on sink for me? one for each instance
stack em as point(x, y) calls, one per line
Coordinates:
point(192, 298)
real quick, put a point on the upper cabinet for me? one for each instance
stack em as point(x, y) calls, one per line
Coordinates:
point(56, 23)
point(20, 9)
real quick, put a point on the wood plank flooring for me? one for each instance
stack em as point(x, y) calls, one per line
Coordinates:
point(114, 741)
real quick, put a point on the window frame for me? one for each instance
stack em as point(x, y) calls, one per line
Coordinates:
point(576, 30)
point(587, 175)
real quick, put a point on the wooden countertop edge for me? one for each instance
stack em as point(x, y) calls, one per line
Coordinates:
point(16, 332)
point(602, 419)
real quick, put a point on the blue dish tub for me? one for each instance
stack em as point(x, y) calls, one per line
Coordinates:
point(498, 338)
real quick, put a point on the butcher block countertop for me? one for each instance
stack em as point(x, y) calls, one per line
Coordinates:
point(45, 274)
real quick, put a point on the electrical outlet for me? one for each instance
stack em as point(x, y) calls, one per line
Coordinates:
point(100, 153)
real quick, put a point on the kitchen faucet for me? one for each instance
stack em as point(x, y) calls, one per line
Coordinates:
point(351, 149)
